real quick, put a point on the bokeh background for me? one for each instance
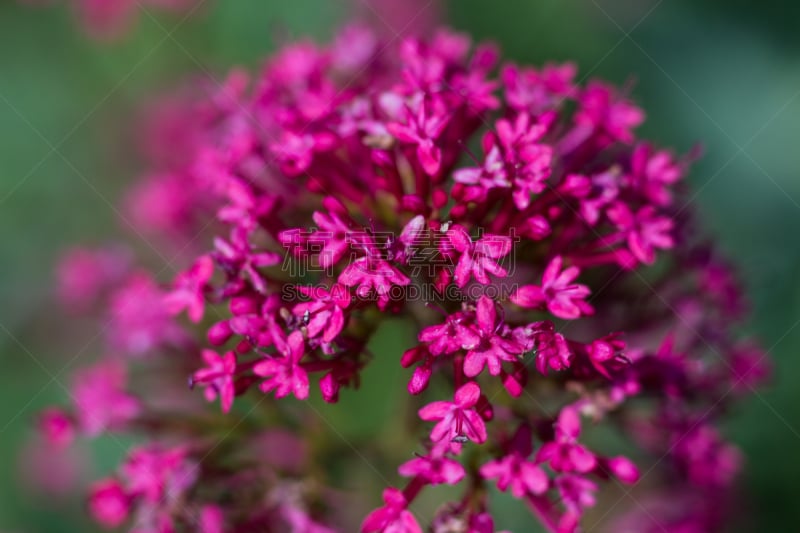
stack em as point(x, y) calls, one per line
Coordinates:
point(723, 73)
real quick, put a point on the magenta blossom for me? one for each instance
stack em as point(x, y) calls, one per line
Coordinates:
point(218, 377)
point(283, 371)
point(562, 297)
point(101, 401)
point(524, 477)
point(159, 475)
point(393, 517)
point(109, 504)
point(644, 230)
point(478, 258)
point(451, 336)
point(565, 454)
point(323, 315)
point(190, 288)
point(57, 427)
point(421, 126)
point(493, 345)
point(458, 418)
point(433, 469)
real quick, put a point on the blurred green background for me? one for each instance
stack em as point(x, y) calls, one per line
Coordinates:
point(725, 73)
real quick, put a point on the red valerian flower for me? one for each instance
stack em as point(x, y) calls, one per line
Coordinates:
point(101, 401)
point(323, 315)
point(645, 230)
point(283, 373)
point(217, 377)
point(565, 454)
point(478, 258)
point(562, 297)
point(422, 123)
point(393, 517)
point(514, 471)
point(189, 289)
point(109, 504)
point(435, 469)
point(494, 345)
point(457, 418)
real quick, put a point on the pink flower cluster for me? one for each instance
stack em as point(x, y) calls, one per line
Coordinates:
point(336, 188)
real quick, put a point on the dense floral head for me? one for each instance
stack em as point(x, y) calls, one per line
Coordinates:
point(511, 213)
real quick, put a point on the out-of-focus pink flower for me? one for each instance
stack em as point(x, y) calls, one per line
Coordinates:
point(83, 275)
point(109, 19)
point(434, 469)
point(140, 323)
point(604, 110)
point(57, 427)
point(645, 230)
point(109, 504)
point(565, 454)
point(212, 519)
point(514, 471)
point(393, 517)
point(189, 289)
point(159, 475)
point(654, 172)
point(101, 402)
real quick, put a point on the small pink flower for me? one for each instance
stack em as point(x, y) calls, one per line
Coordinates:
point(189, 289)
point(101, 402)
point(282, 371)
point(577, 493)
point(645, 230)
point(422, 124)
point(83, 275)
point(565, 454)
point(393, 517)
point(477, 258)
point(528, 160)
point(237, 257)
point(549, 348)
point(159, 475)
point(434, 469)
point(457, 418)
point(140, 323)
point(605, 351)
point(212, 519)
point(373, 276)
point(217, 377)
point(528, 89)
point(524, 477)
point(494, 345)
point(601, 108)
point(623, 468)
point(109, 504)
point(324, 314)
point(57, 427)
point(451, 336)
point(295, 153)
point(654, 172)
point(562, 297)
